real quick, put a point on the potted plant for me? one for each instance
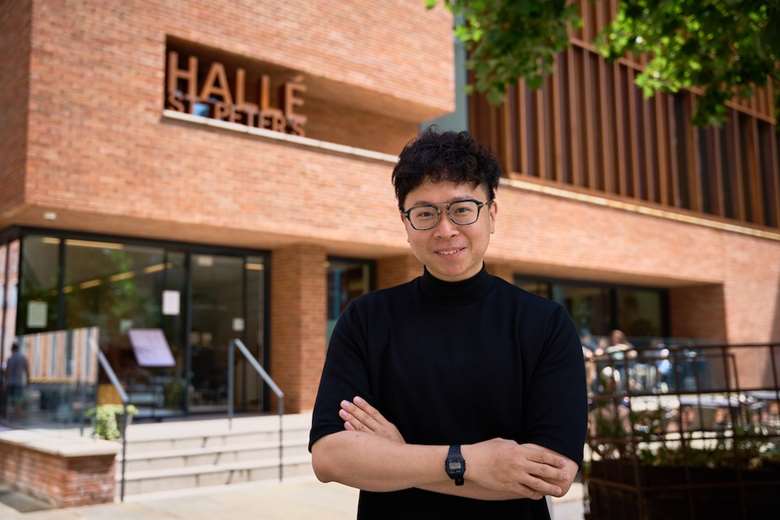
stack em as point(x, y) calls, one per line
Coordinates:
point(106, 419)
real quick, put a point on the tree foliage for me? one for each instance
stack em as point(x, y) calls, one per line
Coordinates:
point(719, 48)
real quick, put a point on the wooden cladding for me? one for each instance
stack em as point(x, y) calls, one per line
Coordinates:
point(589, 126)
point(596, 16)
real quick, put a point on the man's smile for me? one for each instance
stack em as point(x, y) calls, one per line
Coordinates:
point(450, 251)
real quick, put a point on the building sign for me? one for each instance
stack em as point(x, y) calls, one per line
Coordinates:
point(204, 89)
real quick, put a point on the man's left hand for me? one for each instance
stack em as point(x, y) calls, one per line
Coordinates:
point(360, 416)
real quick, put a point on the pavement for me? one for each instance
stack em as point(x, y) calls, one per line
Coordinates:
point(295, 499)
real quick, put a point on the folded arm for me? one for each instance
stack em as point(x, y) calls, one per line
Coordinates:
point(373, 455)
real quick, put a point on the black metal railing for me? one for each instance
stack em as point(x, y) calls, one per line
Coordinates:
point(238, 344)
point(123, 427)
point(683, 431)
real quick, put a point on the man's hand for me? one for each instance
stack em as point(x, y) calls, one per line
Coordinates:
point(525, 469)
point(360, 416)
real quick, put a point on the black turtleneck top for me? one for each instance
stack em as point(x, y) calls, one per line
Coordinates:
point(457, 363)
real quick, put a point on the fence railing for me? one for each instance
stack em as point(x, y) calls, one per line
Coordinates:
point(686, 430)
point(238, 344)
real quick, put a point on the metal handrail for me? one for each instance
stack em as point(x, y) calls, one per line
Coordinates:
point(125, 401)
point(238, 344)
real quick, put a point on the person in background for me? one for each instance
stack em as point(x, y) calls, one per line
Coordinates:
point(17, 376)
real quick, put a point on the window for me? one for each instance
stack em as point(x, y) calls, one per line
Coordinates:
point(347, 279)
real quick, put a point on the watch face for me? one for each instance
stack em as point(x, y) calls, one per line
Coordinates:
point(455, 466)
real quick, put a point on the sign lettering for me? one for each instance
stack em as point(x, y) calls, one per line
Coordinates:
point(215, 96)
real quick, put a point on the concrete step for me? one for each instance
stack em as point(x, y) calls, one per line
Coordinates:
point(143, 460)
point(190, 477)
point(204, 440)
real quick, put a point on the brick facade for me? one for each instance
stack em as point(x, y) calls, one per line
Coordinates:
point(99, 151)
point(62, 481)
point(15, 28)
point(298, 322)
point(396, 270)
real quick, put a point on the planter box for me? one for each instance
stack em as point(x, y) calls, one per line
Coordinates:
point(667, 493)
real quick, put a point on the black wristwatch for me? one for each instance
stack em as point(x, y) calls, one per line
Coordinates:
point(455, 465)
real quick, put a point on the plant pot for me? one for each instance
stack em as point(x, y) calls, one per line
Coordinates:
point(668, 493)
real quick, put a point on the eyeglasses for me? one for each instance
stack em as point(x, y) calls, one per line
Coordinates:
point(460, 212)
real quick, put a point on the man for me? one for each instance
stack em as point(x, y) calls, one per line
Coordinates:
point(17, 375)
point(456, 394)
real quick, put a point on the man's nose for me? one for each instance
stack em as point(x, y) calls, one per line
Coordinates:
point(445, 228)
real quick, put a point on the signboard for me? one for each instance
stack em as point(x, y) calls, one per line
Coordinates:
point(150, 347)
point(187, 89)
point(170, 304)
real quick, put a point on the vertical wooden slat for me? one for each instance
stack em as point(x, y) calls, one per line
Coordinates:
point(674, 163)
point(492, 119)
point(541, 135)
point(651, 154)
point(754, 171)
point(507, 137)
point(606, 112)
point(575, 109)
point(522, 134)
point(633, 125)
point(662, 144)
point(587, 31)
point(591, 131)
point(607, 125)
point(620, 129)
point(695, 195)
point(556, 87)
point(717, 167)
point(736, 181)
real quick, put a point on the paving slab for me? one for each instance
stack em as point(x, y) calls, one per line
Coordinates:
point(297, 499)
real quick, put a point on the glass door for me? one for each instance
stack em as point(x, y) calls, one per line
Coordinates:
point(218, 316)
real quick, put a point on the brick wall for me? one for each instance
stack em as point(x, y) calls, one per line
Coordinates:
point(503, 271)
point(60, 481)
point(698, 312)
point(15, 23)
point(395, 270)
point(298, 322)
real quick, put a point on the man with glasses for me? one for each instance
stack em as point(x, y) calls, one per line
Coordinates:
point(456, 394)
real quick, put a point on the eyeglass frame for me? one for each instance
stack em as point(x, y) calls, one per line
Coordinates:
point(479, 203)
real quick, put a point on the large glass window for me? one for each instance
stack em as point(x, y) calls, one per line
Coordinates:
point(640, 312)
point(119, 288)
point(597, 309)
point(39, 298)
point(217, 318)
point(250, 393)
point(590, 307)
point(76, 289)
point(347, 279)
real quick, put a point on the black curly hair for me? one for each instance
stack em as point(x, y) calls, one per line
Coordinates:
point(444, 156)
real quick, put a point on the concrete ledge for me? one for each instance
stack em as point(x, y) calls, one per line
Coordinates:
point(363, 153)
point(64, 471)
point(59, 446)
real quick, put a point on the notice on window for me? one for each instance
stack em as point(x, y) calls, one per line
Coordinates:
point(238, 324)
point(171, 301)
point(36, 315)
point(150, 347)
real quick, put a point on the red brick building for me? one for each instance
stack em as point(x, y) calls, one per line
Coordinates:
point(221, 170)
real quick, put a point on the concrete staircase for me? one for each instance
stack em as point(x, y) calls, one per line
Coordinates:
point(193, 454)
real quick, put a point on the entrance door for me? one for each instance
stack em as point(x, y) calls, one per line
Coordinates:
point(218, 316)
